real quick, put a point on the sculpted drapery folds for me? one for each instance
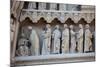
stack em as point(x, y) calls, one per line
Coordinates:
point(88, 36)
point(56, 43)
point(46, 40)
point(65, 39)
point(80, 39)
point(34, 39)
point(73, 40)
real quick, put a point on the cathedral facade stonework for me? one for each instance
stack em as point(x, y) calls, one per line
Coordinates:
point(51, 32)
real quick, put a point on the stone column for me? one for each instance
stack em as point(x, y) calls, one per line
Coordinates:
point(15, 41)
point(15, 7)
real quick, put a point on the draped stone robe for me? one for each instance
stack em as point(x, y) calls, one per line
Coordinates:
point(65, 41)
point(88, 43)
point(46, 42)
point(80, 40)
point(56, 43)
point(34, 39)
point(73, 42)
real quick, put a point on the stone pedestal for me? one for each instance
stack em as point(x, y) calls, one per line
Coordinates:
point(58, 58)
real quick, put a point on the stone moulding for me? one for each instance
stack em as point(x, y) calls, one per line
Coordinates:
point(57, 58)
point(49, 15)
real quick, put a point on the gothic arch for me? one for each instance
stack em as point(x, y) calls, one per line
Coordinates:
point(69, 21)
point(41, 19)
point(24, 25)
point(41, 23)
point(82, 21)
point(26, 21)
point(56, 20)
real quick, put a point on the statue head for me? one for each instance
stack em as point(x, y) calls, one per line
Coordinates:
point(57, 26)
point(30, 27)
point(65, 25)
point(71, 26)
point(48, 26)
point(80, 26)
point(87, 26)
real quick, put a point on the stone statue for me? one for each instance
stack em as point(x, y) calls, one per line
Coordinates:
point(80, 39)
point(65, 39)
point(56, 43)
point(23, 49)
point(73, 41)
point(34, 40)
point(46, 40)
point(88, 36)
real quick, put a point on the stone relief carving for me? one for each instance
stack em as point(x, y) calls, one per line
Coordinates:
point(62, 16)
point(56, 43)
point(80, 38)
point(73, 40)
point(23, 49)
point(46, 33)
point(34, 39)
point(67, 41)
point(88, 36)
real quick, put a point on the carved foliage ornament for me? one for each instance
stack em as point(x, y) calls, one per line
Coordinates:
point(62, 16)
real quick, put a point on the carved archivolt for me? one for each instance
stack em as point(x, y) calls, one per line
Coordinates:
point(35, 15)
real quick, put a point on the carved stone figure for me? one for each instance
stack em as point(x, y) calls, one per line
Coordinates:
point(34, 39)
point(56, 36)
point(46, 40)
point(80, 39)
point(23, 49)
point(65, 39)
point(73, 41)
point(88, 36)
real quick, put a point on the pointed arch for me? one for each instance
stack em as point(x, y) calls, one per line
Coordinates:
point(82, 21)
point(26, 21)
point(41, 19)
point(69, 21)
point(56, 21)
